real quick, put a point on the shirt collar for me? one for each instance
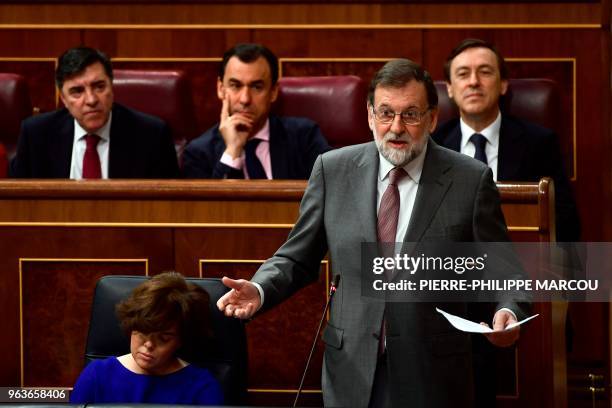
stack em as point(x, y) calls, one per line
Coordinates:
point(414, 168)
point(491, 132)
point(103, 132)
point(264, 132)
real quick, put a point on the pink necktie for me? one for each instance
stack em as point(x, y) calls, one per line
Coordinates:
point(91, 160)
point(388, 213)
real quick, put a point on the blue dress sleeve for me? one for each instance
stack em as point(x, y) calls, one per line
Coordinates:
point(210, 392)
point(85, 388)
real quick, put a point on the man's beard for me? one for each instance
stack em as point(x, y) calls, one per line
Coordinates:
point(400, 157)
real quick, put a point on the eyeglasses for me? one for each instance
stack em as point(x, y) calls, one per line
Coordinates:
point(410, 117)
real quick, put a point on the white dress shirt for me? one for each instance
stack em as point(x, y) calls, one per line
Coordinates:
point(491, 133)
point(80, 145)
point(407, 187)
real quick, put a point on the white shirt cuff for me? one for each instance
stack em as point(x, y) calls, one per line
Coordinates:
point(261, 294)
point(236, 163)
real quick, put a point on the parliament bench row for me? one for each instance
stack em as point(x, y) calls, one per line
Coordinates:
point(336, 103)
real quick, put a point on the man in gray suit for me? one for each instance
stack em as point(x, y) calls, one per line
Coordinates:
point(399, 354)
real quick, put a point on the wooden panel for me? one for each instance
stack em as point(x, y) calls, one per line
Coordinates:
point(288, 329)
point(28, 242)
point(199, 201)
point(37, 42)
point(196, 247)
point(40, 78)
point(237, 253)
point(174, 42)
point(331, 43)
point(398, 13)
point(200, 228)
point(56, 304)
point(284, 2)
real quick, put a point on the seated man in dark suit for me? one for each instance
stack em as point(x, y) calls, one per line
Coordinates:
point(248, 142)
point(92, 137)
point(516, 150)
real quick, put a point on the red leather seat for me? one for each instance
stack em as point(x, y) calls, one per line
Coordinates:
point(165, 94)
point(3, 162)
point(15, 105)
point(535, 100)
point(336, 103)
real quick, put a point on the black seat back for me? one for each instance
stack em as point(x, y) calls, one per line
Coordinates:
point(225, 356)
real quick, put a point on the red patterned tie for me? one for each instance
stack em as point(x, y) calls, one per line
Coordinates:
point(91, 160)
point(388, 213)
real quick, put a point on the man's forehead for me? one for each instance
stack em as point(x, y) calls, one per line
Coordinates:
point(475, 57)
point(257, 70)
point(92, 73)
point(411, 94)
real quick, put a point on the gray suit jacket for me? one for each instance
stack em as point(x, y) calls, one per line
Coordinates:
point(429, 361)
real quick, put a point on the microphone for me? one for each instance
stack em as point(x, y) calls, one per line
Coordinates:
point(332, 290)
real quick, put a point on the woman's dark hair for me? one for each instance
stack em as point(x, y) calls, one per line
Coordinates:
point(166, 300)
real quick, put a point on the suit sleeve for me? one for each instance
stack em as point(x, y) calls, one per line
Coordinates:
point(298, 262)
point(221, 171)
point(200, 161)
point(316, 144)
point(19, 166)
point(168, 163)
point(193, 164)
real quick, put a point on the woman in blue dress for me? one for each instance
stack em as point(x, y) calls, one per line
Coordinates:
point(163, 316)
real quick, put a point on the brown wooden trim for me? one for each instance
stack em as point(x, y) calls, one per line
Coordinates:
point(283, 190)
point(490, 26)
point(517, 192)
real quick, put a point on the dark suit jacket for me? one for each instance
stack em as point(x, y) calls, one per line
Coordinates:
point(527, 152)
point(140, 146)
point(429, 361)
point(295, 143)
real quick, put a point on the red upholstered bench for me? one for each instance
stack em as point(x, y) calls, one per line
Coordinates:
point(336, 103)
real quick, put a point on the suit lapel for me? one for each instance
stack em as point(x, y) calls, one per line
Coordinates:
point(119, 160)
point(363, 183)
point(453, 140)
point(278, 149)
point(511, 150)
point(432, 187)
point(62, 150)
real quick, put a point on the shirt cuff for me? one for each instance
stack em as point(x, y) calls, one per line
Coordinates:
point(236, 163)
point(261, 294)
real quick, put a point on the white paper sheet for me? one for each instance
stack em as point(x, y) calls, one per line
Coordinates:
point(472, 327)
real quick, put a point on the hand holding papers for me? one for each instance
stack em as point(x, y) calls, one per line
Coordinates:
point(472, 327)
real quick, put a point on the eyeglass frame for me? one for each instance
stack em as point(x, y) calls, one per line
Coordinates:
point(421, 116)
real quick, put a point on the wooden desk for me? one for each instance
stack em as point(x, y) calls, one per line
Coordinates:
point(59, 237)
